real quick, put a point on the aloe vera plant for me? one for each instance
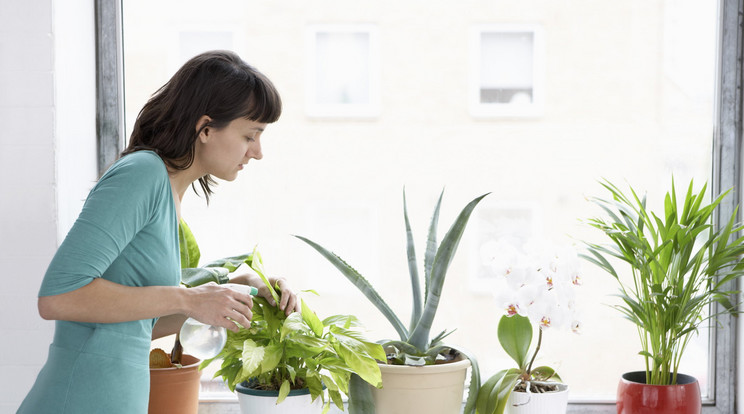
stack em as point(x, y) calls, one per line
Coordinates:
point(680, 265)
point(415, 345)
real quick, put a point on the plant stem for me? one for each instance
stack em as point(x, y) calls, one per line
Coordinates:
point(539, 342)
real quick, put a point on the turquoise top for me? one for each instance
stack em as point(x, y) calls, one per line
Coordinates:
point(127, 233)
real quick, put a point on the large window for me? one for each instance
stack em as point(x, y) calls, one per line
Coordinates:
point(618, 90)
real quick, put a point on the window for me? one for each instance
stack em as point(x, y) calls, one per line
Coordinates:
point(507, 70)
point(624, 94)
point(342, 71)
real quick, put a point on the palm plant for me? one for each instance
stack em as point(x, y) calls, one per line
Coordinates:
point(681, 264)
point(415, 345)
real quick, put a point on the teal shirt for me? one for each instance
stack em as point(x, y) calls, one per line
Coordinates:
point(127, 233)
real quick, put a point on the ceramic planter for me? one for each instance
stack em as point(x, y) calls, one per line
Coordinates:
point(636, 397)
point(264, 402)
point(175, 390)
point(431, 389)
point(555, 402)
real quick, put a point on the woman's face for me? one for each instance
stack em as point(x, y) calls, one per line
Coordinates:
point(223, 152)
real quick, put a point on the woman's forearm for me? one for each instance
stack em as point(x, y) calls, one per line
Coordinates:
point(103, 301)
point(168, 325)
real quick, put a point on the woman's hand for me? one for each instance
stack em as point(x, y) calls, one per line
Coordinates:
point(288, 301)
point(219, 305)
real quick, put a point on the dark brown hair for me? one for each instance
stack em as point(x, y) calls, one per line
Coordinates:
point(218, 84)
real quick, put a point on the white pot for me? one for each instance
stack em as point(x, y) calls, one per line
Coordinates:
point(539, 403)
point(430, 389)
point(264, 402)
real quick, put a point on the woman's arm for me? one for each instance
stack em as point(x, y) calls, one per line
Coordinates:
point(102, 301)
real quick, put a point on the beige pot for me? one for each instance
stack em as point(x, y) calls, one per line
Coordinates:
point(430, 389)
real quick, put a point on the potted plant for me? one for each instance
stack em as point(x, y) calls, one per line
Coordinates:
point(416, 359)
point(680, 264)
point(300, 362)
point(535, 286)
point(175, 376)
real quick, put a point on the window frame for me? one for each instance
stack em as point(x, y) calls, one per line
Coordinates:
point(352, 110)
point(496, 110)
point(726, 171)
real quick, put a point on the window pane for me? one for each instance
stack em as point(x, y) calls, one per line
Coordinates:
point(342, 68)
point(506, 67)
point(627, 89)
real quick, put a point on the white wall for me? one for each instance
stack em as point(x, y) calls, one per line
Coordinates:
point(47, 154)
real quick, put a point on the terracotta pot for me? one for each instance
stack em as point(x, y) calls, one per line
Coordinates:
point(175, 390)
point(262, 401)
point(555, 402)
point(634, 396)
point(431, 389)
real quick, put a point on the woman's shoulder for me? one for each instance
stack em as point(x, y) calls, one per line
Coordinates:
point(139, 165)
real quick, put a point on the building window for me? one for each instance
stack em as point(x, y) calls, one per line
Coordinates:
point(342, 71)
point(506, 71)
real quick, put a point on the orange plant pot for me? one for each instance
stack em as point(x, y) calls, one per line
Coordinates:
point(634, 396)
point(175, 390)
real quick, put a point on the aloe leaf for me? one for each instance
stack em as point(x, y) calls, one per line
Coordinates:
point(431, 244)
point(446, 251)
point(362, 284)
point(412, 268)
point(360, 396)
point(475, 380)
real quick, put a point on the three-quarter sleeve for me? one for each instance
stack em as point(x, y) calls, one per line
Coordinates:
point(117, 208)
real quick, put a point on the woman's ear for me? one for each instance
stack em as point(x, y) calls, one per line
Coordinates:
point(202, 129)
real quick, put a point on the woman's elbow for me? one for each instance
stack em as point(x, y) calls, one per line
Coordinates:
point(47, 308)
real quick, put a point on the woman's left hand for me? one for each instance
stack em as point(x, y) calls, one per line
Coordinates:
point(288, 301)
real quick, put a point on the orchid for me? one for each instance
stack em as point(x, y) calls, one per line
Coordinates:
point(535, 286)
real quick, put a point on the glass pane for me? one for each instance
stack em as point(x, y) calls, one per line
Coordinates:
point(506, 68)
point(628, 97)
point(342, 68)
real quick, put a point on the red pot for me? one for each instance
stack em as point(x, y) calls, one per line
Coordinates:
point(635, 397)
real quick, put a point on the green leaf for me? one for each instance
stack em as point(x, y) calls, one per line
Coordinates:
point(188, 247)
point(515, 336)
point(311, 319)
point(272, 357)
point(364, 366)
point(283, 391)
point(251, 356)
point(192, 277)
point(257, 266)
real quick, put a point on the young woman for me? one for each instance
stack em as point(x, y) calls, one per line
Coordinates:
point(113, 284)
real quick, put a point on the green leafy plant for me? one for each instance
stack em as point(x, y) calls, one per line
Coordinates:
point(680, 264)
point(415, 346)
point(515, 337)
point(280, 352)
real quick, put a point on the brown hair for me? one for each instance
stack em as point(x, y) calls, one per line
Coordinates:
point(218, 84)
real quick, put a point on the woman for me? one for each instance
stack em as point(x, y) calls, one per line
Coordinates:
point(113, 284)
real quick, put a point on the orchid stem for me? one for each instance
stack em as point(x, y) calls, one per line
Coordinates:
point(539, 341)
